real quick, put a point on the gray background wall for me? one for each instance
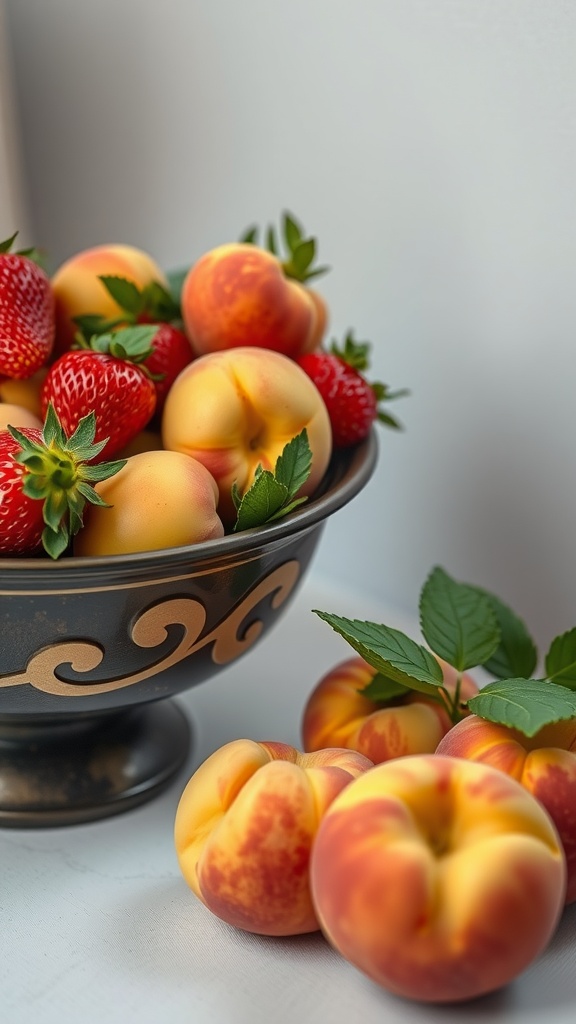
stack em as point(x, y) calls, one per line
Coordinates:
point(431, 146)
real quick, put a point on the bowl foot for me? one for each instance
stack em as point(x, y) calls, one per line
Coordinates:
point(64, 772)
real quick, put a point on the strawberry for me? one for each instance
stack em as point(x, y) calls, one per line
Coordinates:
point(352, 401)
point(171, 350)
point(105, 375)
point(46, 480)
point(27, 323)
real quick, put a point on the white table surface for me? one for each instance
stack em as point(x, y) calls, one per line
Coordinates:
point(97, 924)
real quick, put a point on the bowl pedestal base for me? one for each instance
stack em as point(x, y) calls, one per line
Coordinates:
point(79, 769)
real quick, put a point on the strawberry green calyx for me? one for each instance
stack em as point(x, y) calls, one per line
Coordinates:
point(298, 263)
point(357, 355)
point(34, 254)
point(150, 304)
point(134, 344)
point(58, 473)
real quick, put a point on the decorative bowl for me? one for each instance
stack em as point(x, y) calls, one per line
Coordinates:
point(89, 648)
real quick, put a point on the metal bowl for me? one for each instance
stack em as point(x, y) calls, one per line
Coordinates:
point(89, 647)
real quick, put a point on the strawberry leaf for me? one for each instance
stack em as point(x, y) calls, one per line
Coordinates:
point(292, 232)
point(388, 421)
point(57, 473)
point(55, 542)
point(389, 651)
point(250, 235)
point(7, 244)
point(524, 704)
point(560, 661)
point(134, 344)
point(271, 243)
point(355, 353)
point(300, 251)
point(457, 621)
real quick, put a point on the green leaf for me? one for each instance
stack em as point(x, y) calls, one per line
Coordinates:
point(524, 704)
point(94, 323)
point(159, 304)
point(457, 621)
point(249, 236)
point(286, 508)
point(292, 231)
point(236, 496)
point(389, 421)
point(273, 495)
point(271, 243)
point(317, 272)
point(176, 280)
point(389, 651)
point(262, 500)
point(52, 432)
point(516, 655)
point(560, 662)
point(55, 542)
point(7, 243)
point(302, 257)
point(131, 343)
point(57, 474)
point(294, 464)
point(382, 689)
point(125, 293)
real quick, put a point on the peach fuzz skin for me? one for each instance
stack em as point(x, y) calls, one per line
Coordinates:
point(545, 764)
point(237, 409)
point(440, 879)
point(237, 295)
point(337, 715)
point(245, 826)
point(157, 500)
point(24, 393)
point(78, 291)
point(17, 416)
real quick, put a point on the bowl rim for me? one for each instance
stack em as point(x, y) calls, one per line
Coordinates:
point(348, 472)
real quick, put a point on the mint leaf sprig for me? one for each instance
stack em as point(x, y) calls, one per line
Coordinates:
point(274, 494)
point(468, 627)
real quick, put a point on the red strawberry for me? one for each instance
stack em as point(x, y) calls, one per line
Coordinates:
point(352, 401)
point(45, 481)
point(106, 375)
point(27, 322)
point(171, 350)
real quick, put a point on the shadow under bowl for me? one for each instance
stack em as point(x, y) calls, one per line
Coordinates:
point(93, 648)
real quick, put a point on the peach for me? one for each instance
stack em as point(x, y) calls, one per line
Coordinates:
point(157, 500)
point(237, 409)
point(244, 830)
point(17, 416)
point(544, 763)
point(24, 393)
point(78, 290)
point(337, 715)
point(438, 878)
point(237, 295)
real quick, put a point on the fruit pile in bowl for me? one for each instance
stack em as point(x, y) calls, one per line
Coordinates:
point(169, 454)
